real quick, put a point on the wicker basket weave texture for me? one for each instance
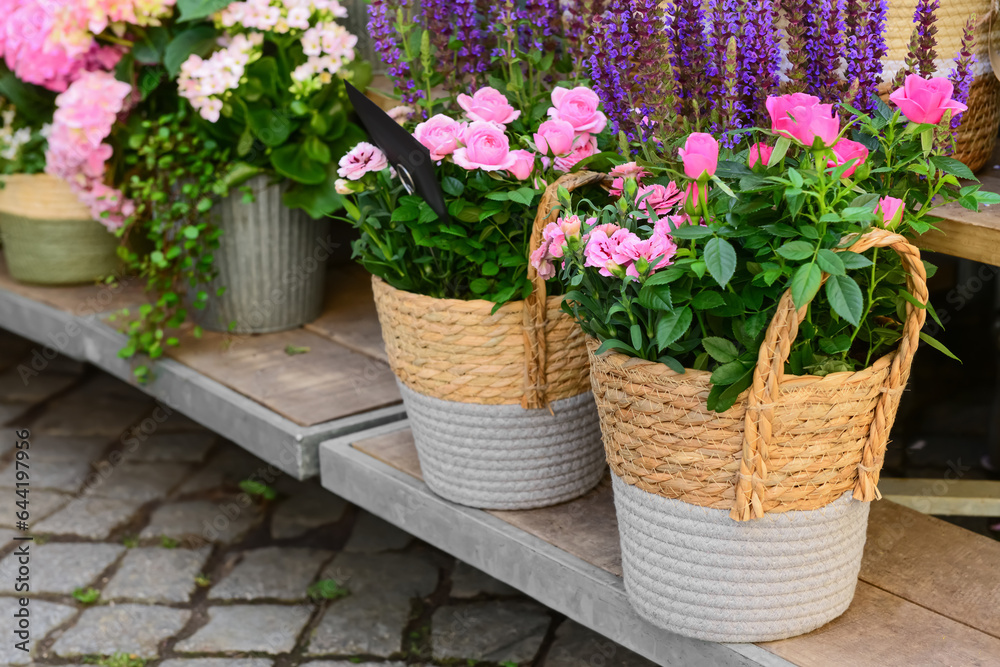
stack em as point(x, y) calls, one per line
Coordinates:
point(788, 443)
point(527, 352)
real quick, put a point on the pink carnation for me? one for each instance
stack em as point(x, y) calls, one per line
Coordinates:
point(360, 160)
point(623, 171)
point(657, 251)
point(660, 198)
point(608, 253)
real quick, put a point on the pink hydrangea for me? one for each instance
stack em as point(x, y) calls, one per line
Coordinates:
point(360, 160)
point(76, 153)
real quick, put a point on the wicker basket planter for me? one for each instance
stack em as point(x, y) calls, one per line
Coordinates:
point(49, 237)
point(749, 525)
point(272, 262)
point(977, 134)
point(500, 403)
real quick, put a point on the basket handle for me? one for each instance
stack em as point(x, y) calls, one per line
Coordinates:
point(535, 305)
point(764, 391)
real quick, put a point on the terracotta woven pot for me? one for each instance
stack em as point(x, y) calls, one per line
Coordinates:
point(748, 525)
point(499, 403)
point(49, 237)
point(977, 135)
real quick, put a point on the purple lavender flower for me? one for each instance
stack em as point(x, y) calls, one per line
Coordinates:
point(612, 45)
point(646, 28)
point(761, 59)
point(823, 69)
point(865, 47)
point(436, 20)
point(800, 22)
point(726, 21)
point(471, 59)
point(961, 75)
point(545, 21)
point(381, 18)
point(689, 55)
point(924, 18)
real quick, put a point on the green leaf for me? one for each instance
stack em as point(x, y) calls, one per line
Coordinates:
point(728, 373)
point(829, 262)
point(326, 589)
point(671, 326)
point(720, 349)
point(197, 9)
point(805, 284)
point(845, 298)
point(452, 186)
point(796, 250)
point(271, 128)
point(950, 165)
point(615, 344)
point(656, 297)
point(852, 260)
point(727, 397)
point(691, 232)
point(479, 285)
point(198, 40)
point(292, 162)
point(939, 346)
point(781, 147)
point(720, 258)
point(707, 300)
point(636, 332)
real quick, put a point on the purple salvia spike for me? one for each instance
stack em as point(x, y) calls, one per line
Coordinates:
point(761, 59)
point(925, 18)
point(575, 20)
point(826, 50)
point(436, 20)
point(381, 22)
point(961, 75)
point(546, 22)
point(472, 59)
point(647, 31)
point(689, 54)
point(800, 22)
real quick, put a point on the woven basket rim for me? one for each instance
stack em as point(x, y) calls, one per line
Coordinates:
point(481, 305)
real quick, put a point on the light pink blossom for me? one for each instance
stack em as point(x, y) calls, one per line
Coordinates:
point(488, 104)
point(580, 108)
point(926, 100)
point(845, 151)
point(486, 147)
point(584, 147)
point(440, 134)
point(606, 253)
point(524, 164)
point(555, 137)
point(759, 153)
point(360, 160)
point(658, 251)
point(660, 198)
point(803, 118)
point(700, 155)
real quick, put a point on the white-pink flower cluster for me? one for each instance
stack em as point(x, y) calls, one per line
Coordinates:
point(205, 82)
point(328, 46)
point(280, 16)
point(75, 23)
point(77, 153)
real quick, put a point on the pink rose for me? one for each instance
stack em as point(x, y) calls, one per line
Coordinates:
point(555, 136)
point(892, 211)
point(925, 100)
point(760, 152)
point(603, 252)
point(440, 134)
point(659, 198)
point(360, 160)
point(524, 164)
point(657, 250)
point(584, 148)
point(579, 108)
point(802, 118)
point(488, 104)
point(486, 147)
point(700, 155)
point(629, 169)
point(846, 150)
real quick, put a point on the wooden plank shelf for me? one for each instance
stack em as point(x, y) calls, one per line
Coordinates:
point(927, 591)
point(246, 388)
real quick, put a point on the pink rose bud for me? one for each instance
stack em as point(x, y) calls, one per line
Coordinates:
point(760, 153)
point(579, 108)
point(695, 195)
point(440, 134)
point(584, 147)
point(925, 100)
point(486, 147)
point(360, 160)
point(488, 104)
point(846, 150)
point(524, 164)
point(892, 211)
point(700, 155)
point(802, 118)
point(555, 136)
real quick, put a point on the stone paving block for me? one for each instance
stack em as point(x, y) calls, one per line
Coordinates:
point(576, 645)
point(218, 662)
point(312, 506)
point(41, 503)
point(67, 476)
point(495, 631)
point(410, 575)
point(348, 663)
point(55, 448)
point(9, 413)
point(372, 535)
point(60, 567)
point(183, 447)
point(32, 388)
point(94, 518)
point(270, 629)
point(44, 617)
point(468, 582)
point(226, 468)
point(7, 536)
point(13, 348)
point(280, 573)
point(369, 623)
point(225, 521)
point(155, 574)
point(139, 482)
point(103, 406)
point(124, 628)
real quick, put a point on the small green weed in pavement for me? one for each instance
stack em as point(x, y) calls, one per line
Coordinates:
point(86, 595)
point(130, 541)
point(168, 542)
point(258, 489)
point(203, 581)
point(116, 660)
point(327, 589)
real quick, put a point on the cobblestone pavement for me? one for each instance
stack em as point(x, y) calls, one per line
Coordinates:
point(150, 551)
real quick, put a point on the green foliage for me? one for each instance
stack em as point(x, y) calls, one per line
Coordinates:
point(116, 660)
point(258, 489)
point(22, 114)
point(86, 595)
point(326, 589)
point(292, 350)
point(130, 541)
point(168, 542)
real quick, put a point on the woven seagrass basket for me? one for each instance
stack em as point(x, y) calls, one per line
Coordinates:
point(977, 133)
point(49, 237)
point(748, 525)
point(499, 403)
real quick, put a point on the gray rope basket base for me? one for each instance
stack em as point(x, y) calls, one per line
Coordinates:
point(505, 457)
point(694, 571)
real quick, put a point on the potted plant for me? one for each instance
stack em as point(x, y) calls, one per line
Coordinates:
point(273, 91)
point(749, 345)
point(493, 375)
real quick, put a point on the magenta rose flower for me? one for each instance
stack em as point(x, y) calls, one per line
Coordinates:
point(440, 134)
point(584, 147)
point(759, 153)
point(700, 155)
point(925, 100)
point(803, 118)
point(360, 160)
point(486, 147)
point(892, 211)
point(488, 105)
point(846, 150)
point(579, 108)
point(555, 136)
point(524, 164)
